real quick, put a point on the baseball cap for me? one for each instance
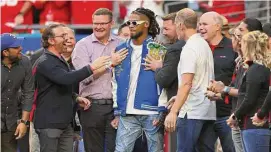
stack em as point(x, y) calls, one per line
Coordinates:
point(267, 29)
point(10, 41)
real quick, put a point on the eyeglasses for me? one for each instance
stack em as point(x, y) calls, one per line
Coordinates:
point(102, 24)
point(134, 23)
point(62, 35)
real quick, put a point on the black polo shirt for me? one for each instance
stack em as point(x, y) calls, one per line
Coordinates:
point(13, 79)
point(54, 85)
point(224, 65)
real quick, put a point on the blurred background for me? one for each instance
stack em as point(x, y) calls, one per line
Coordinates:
point(28, 18)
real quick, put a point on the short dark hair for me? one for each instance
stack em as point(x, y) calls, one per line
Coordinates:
point(104, 11)
point(170, 16)
point(253, 24)
point(48, 33)
point(121, 27)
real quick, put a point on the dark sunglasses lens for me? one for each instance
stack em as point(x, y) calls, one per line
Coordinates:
point(134, 23)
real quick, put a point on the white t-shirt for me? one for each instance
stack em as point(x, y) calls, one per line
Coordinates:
point(135, 68)
point(197, 58)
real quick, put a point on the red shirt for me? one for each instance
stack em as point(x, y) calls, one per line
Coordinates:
point(81, 11)
point(9, 10)
point(55, 11)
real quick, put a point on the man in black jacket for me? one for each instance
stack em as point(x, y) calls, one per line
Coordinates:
point(210, 28)
point(55, 98)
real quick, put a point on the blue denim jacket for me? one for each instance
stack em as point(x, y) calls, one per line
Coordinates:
point(147, 91)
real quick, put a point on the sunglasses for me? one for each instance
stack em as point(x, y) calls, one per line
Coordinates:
point(134, 23)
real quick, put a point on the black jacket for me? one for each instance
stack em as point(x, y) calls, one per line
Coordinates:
point(167, 76)
point(54, 83)
point(254, 89)
point(263, 112)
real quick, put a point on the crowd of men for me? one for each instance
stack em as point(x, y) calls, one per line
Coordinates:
point(127, 90)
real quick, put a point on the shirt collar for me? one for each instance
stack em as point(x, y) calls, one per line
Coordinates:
point(12, 65)
point(50, 53)
point(94, 39)
point(223, 42)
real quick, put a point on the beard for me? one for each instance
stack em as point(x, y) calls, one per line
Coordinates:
point(14, 58)
point(137, 35)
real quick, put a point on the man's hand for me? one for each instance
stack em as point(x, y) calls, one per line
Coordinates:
point(216, 86)
point(118, 57)
point(257, 121)
point(20, 130)
point(231, 122)
point(19, 19)
point(160, 120)
point(83, 102)
point(171, 102)
point(115, 122)
point(152, 64)
point(213, 96)
point(100, 62)
point(170, 122)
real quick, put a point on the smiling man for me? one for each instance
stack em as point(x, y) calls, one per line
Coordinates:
point(97, 131)
point(54, 91)
point(210, 28)
point(15, 75)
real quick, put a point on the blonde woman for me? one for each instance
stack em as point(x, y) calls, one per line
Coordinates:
point(254, 87)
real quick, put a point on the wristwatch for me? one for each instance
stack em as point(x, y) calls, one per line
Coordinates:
point(109, 65)
point(226, 90)
point(22, 121)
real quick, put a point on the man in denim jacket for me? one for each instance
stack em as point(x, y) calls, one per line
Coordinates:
point(135, 91)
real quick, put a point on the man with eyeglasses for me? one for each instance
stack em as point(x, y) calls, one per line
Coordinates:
point(135, 92)
point(54, 95)
point(15, 76)
point(98, 134)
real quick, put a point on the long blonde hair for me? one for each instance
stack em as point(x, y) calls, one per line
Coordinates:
point(256, 47)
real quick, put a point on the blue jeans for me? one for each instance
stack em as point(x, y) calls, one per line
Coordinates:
point(189, 131)
point(256, 140)
point(131, 127)
point(223, 131)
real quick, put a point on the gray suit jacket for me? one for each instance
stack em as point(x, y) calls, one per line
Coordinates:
point(167, 76)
